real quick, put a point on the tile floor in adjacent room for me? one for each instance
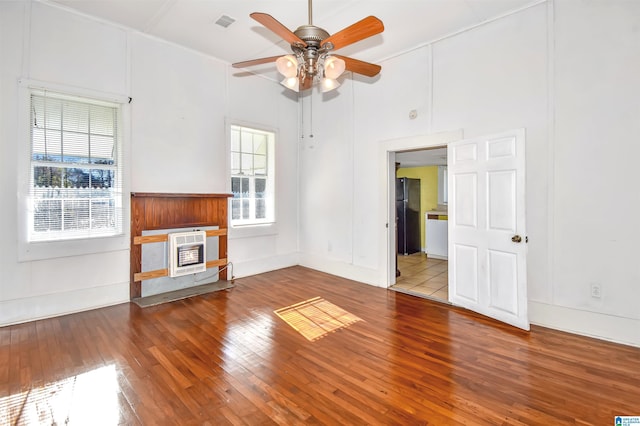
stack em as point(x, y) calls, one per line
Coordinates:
point(423, 276)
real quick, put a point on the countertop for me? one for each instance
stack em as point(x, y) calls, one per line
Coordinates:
point(437, 212)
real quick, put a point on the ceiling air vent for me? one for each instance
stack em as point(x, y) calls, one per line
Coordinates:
point(225, 21)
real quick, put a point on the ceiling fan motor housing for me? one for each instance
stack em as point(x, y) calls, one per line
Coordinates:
point(311, 34)
point(313, 37)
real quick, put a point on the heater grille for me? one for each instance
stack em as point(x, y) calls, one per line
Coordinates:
point(187, 253)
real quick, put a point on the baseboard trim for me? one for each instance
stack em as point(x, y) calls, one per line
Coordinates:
point(260, 266)
point(183, 293)
point(18, 311)
point(341, 269)
point(592, 324)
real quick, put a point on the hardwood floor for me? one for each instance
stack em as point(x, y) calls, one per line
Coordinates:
point(227, 358)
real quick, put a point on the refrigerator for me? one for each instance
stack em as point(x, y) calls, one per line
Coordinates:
point(408, 215)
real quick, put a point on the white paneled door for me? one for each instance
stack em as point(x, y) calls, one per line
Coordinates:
point(487, 235)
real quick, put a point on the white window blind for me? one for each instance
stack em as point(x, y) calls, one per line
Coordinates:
point(76, 174)
point(252, 176)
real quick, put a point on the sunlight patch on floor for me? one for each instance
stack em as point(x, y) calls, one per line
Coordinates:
point(315, 318)
point(88, 398)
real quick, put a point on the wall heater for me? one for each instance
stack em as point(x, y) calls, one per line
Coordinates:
point(187, 253)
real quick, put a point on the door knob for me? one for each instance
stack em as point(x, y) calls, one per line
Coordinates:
point(516, 238)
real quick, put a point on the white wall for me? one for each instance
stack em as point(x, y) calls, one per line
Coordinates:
point(595, 201)
point(326, 197)
point(86, 56)
point(258, 101)
point(174, 142)
point(177, 134)
point(564, 71)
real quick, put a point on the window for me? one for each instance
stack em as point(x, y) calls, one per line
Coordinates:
point(75, 174)
point(252, 176)
point(443, 185)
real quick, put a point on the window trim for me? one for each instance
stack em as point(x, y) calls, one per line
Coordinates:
point(114, 194)
point(269, 227)
point(40, 250)
point(443, 185)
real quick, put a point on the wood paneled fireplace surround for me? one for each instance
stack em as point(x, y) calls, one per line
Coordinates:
point(153, 211)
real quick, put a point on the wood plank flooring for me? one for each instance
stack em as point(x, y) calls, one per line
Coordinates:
point(225, 358)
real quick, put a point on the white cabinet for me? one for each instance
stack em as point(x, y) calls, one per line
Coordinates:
point(437, 236)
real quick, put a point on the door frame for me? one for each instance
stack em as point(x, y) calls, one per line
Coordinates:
point(387, 159)
point(387, 162)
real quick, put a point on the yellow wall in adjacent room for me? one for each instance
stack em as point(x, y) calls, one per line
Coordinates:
point(428, 190)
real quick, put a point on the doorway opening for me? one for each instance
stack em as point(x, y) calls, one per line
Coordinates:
point(421, 223)
point(487, 238)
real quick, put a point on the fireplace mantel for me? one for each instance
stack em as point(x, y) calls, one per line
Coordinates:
point(152, 211)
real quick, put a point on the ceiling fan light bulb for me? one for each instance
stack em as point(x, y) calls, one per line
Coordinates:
point(333, 67)
point(328, 84)
point(292, 83)
point(287, 65)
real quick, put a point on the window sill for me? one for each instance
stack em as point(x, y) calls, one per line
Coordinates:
point(42, 250)
point(249, 231)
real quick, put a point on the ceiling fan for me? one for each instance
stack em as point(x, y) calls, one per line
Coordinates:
point(311, 60)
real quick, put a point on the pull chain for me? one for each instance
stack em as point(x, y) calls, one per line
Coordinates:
point(301, 102)
point(311, 114)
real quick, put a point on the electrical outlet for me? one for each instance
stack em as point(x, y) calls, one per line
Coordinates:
point(596, 291)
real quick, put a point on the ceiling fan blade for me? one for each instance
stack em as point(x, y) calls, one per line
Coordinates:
point(274, 25)
point(252, 62)
point(360, 67)
point(362, 29)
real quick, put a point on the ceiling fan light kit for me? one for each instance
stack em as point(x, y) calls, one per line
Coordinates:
point(287, 65)
point(292, 83)
point(294, 71)
point(333, 67)
point(311, 61)
point(328, 84)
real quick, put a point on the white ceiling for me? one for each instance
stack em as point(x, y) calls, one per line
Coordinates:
point(408, 24)
point(425, 157)
point(191, 23)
